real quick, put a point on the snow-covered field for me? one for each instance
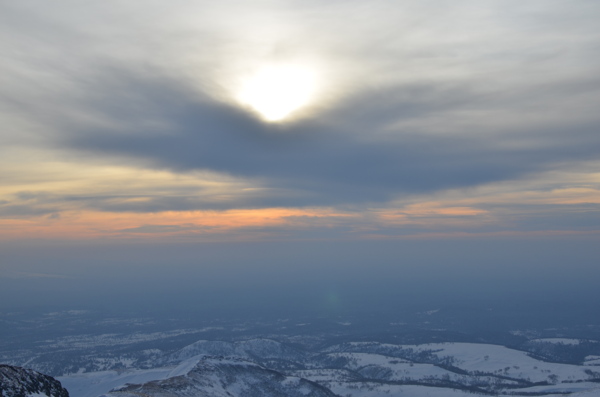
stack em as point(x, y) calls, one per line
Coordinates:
point(592, 360)
point(504, 361)
point(560, 341)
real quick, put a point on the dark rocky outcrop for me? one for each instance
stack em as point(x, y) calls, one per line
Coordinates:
point(22, 382)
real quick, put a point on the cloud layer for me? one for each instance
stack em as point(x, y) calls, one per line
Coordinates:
point(466, 115)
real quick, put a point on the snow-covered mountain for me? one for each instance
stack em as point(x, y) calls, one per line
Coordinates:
point(21, 382)
point(226, 377)
point(285, 356)
point(263, 366)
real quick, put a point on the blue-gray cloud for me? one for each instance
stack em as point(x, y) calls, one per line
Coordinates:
point(349, 154)
point(434, 95)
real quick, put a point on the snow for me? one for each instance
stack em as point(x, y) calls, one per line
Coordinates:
point(587, 393)
point(88, 341)
point(94, 384)
point(560, 388)
point(368, 389)
point(185, 367)
point(484, 363)
point(503, 361)
point(359, 360)
point(561, 341)
point(325, 375)
point(400, 369)
point(591, 360)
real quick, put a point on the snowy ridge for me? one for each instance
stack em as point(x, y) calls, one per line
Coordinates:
point(257, 349)
point(22, 382)
point(219, 376)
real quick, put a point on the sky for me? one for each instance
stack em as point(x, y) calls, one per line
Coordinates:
point(160, 134)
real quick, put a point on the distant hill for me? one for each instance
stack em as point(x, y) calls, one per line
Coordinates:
point(225, 377)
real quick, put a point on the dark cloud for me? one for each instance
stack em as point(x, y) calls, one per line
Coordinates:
point(436, 95)
point(52, 204)
point(349, 154)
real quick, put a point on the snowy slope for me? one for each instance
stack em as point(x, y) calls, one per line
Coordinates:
point(226, 377)
point(477, 359)
point(371, 389)
point(22, 382)
point(378, 367)
point(93, 384)
point(502, 360)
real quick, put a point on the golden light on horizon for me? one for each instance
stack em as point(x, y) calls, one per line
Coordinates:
point(83, 224)
point(277, 91)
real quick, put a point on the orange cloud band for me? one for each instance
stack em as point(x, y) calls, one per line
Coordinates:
point(94, 224)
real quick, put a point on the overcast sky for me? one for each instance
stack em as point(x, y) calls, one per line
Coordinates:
point(153, 122)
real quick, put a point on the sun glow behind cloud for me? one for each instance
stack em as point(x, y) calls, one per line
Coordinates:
point(277, 91)
point(182, 157)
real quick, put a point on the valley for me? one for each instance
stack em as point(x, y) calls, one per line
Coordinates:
point(327, 356)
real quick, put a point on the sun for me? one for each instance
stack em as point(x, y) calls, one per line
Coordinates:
point(275, 92)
